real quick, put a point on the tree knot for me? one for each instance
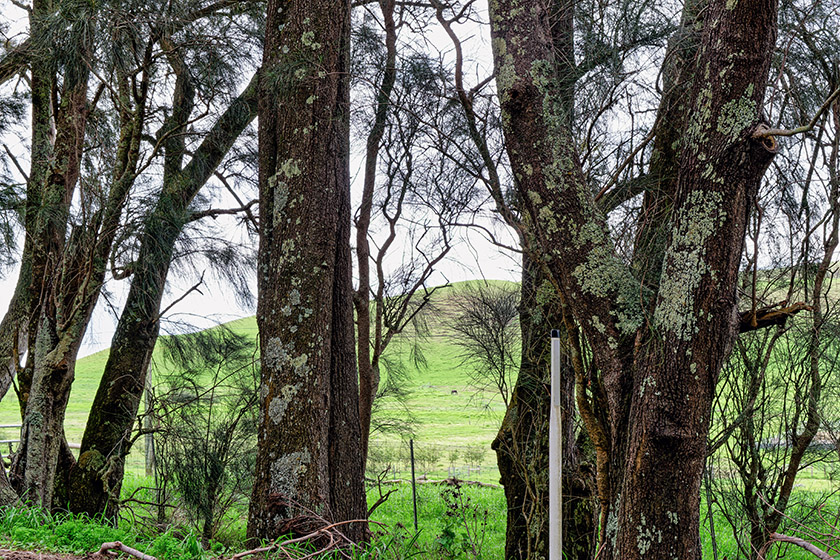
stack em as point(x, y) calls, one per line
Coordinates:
point(762, 134)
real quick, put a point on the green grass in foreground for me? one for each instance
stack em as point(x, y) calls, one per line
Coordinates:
point(29, 529)
point(477, 518)
point(445, 532)
point(475, 523)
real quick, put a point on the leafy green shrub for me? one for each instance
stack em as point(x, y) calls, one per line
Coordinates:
point(80, 535)
point(381, 459)
point(61, 532)
point(475, 454)
point(165, 546)
point(206, 413)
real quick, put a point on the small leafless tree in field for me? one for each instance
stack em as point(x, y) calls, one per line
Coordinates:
point(487, 332)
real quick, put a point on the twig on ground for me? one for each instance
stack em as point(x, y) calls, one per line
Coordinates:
point(327, 530)
point(106, 548)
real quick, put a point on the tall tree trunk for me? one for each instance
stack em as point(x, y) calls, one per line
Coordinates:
point(309, 434)
point(61, 319)
point(522, 442)
point(72, 296)
point(97, 477)
point(33, 261)
point(659, 365)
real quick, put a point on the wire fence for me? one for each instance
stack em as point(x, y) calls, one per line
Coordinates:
point(431, 460)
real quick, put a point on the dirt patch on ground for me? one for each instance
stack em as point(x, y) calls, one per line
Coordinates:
point(26, 555)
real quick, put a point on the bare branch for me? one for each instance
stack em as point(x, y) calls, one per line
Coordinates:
point(770, 316)
point(763, 131)
point(214, 213)
point(381, 500)
point(322, 531)
point(232, 191)
point(15, 161)
point(194, 288)
point(22, 6)
point(802, 543)
point(360, 3)
point(628, 161)
point(494, 184)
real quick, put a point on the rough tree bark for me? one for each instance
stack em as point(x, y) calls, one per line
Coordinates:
point(21, 318)
point(659, 353)
point(678, 77)
point(58, 314)
point(309, 436)
point(522, 442)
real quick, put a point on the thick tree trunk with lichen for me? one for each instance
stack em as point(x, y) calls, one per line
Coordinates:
point(97, 477)
point(58, 315)
point(678, 75)
point(21, 320)
point(658, 354)
point(522, 442)
point(309, 436)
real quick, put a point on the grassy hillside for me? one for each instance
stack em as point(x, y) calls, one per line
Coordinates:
point(448, 412)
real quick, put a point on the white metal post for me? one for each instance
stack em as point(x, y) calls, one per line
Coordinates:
point(555, 458)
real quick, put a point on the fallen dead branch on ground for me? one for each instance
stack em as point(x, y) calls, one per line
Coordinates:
point(326, 538)
point(107, 550)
